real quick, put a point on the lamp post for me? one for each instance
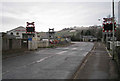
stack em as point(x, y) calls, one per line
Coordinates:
point(113, 30)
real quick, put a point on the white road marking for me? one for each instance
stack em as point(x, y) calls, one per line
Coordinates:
point(74, 48)
point(5, 72)
point(85, 54)
point(61, 52)
point(38, 61)
point(66, 48)
point(63, 48)
point(41, 59)
point(81, 49)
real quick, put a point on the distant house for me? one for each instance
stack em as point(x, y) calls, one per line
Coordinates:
point(20, 33)
point(43, 35)
point(9, 42)
point(89, 38)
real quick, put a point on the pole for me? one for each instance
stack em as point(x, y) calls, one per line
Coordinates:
point(49, 37)
point(113, 32)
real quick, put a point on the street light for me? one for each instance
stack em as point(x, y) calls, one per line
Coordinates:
point(113, 30)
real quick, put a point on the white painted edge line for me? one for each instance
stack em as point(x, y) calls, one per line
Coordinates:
point(108, 52)
point(80, 68)
point(83, 64)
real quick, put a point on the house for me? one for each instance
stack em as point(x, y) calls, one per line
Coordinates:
point(89, 38)
point(43, 36)
point(10, 42)
point(20, 33)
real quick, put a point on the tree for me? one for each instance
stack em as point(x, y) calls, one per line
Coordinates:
point(87, 33)
point(99, 34)
point(82, 32)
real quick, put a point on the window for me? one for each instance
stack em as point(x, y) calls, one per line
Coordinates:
point(17, 33)
point(11, 33)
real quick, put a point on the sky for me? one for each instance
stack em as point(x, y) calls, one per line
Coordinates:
point(57, 14)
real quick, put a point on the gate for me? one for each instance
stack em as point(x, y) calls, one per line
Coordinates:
point(24, 43)
point(10, 43)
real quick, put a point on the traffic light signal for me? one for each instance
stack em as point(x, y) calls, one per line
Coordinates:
point(30, 29)
point(109, 27)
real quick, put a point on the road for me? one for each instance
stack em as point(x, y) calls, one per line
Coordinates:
point(49, 63)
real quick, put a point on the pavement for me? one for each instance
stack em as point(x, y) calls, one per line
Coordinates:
point(97, 65)
point(49, 63)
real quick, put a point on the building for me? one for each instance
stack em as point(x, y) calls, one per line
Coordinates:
point(89, 38)
point(20, 33)
point(119, 12)
point(10, 42)
point(42, 35)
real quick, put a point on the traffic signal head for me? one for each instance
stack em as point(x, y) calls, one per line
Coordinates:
point(30, 29)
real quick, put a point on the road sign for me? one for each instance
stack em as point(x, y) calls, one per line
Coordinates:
point(29, 39)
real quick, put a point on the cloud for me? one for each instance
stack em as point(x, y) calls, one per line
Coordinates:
point(57, 0)
point(56, 15)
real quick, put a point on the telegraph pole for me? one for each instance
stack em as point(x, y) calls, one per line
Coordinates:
point(113, 31)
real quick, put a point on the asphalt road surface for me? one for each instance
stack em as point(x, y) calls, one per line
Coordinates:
point(49, 63)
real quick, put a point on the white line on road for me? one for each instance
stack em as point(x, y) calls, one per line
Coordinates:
point(4, 72)
point(41, 59)
point(38, 61)
point(63, 48)
point(61, 52)
point(81, 49)
point(74, 48)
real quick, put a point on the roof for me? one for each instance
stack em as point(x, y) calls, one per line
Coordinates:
point(18, 28)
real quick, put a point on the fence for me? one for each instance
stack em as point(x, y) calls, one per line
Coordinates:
point(116, 52)
point(117, 55)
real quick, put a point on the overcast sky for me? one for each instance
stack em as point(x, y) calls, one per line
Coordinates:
point(53, 14)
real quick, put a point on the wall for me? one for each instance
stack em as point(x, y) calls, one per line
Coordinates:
point(16, 44)
point(5, 44)
point(43, 44)
point(11, 44)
